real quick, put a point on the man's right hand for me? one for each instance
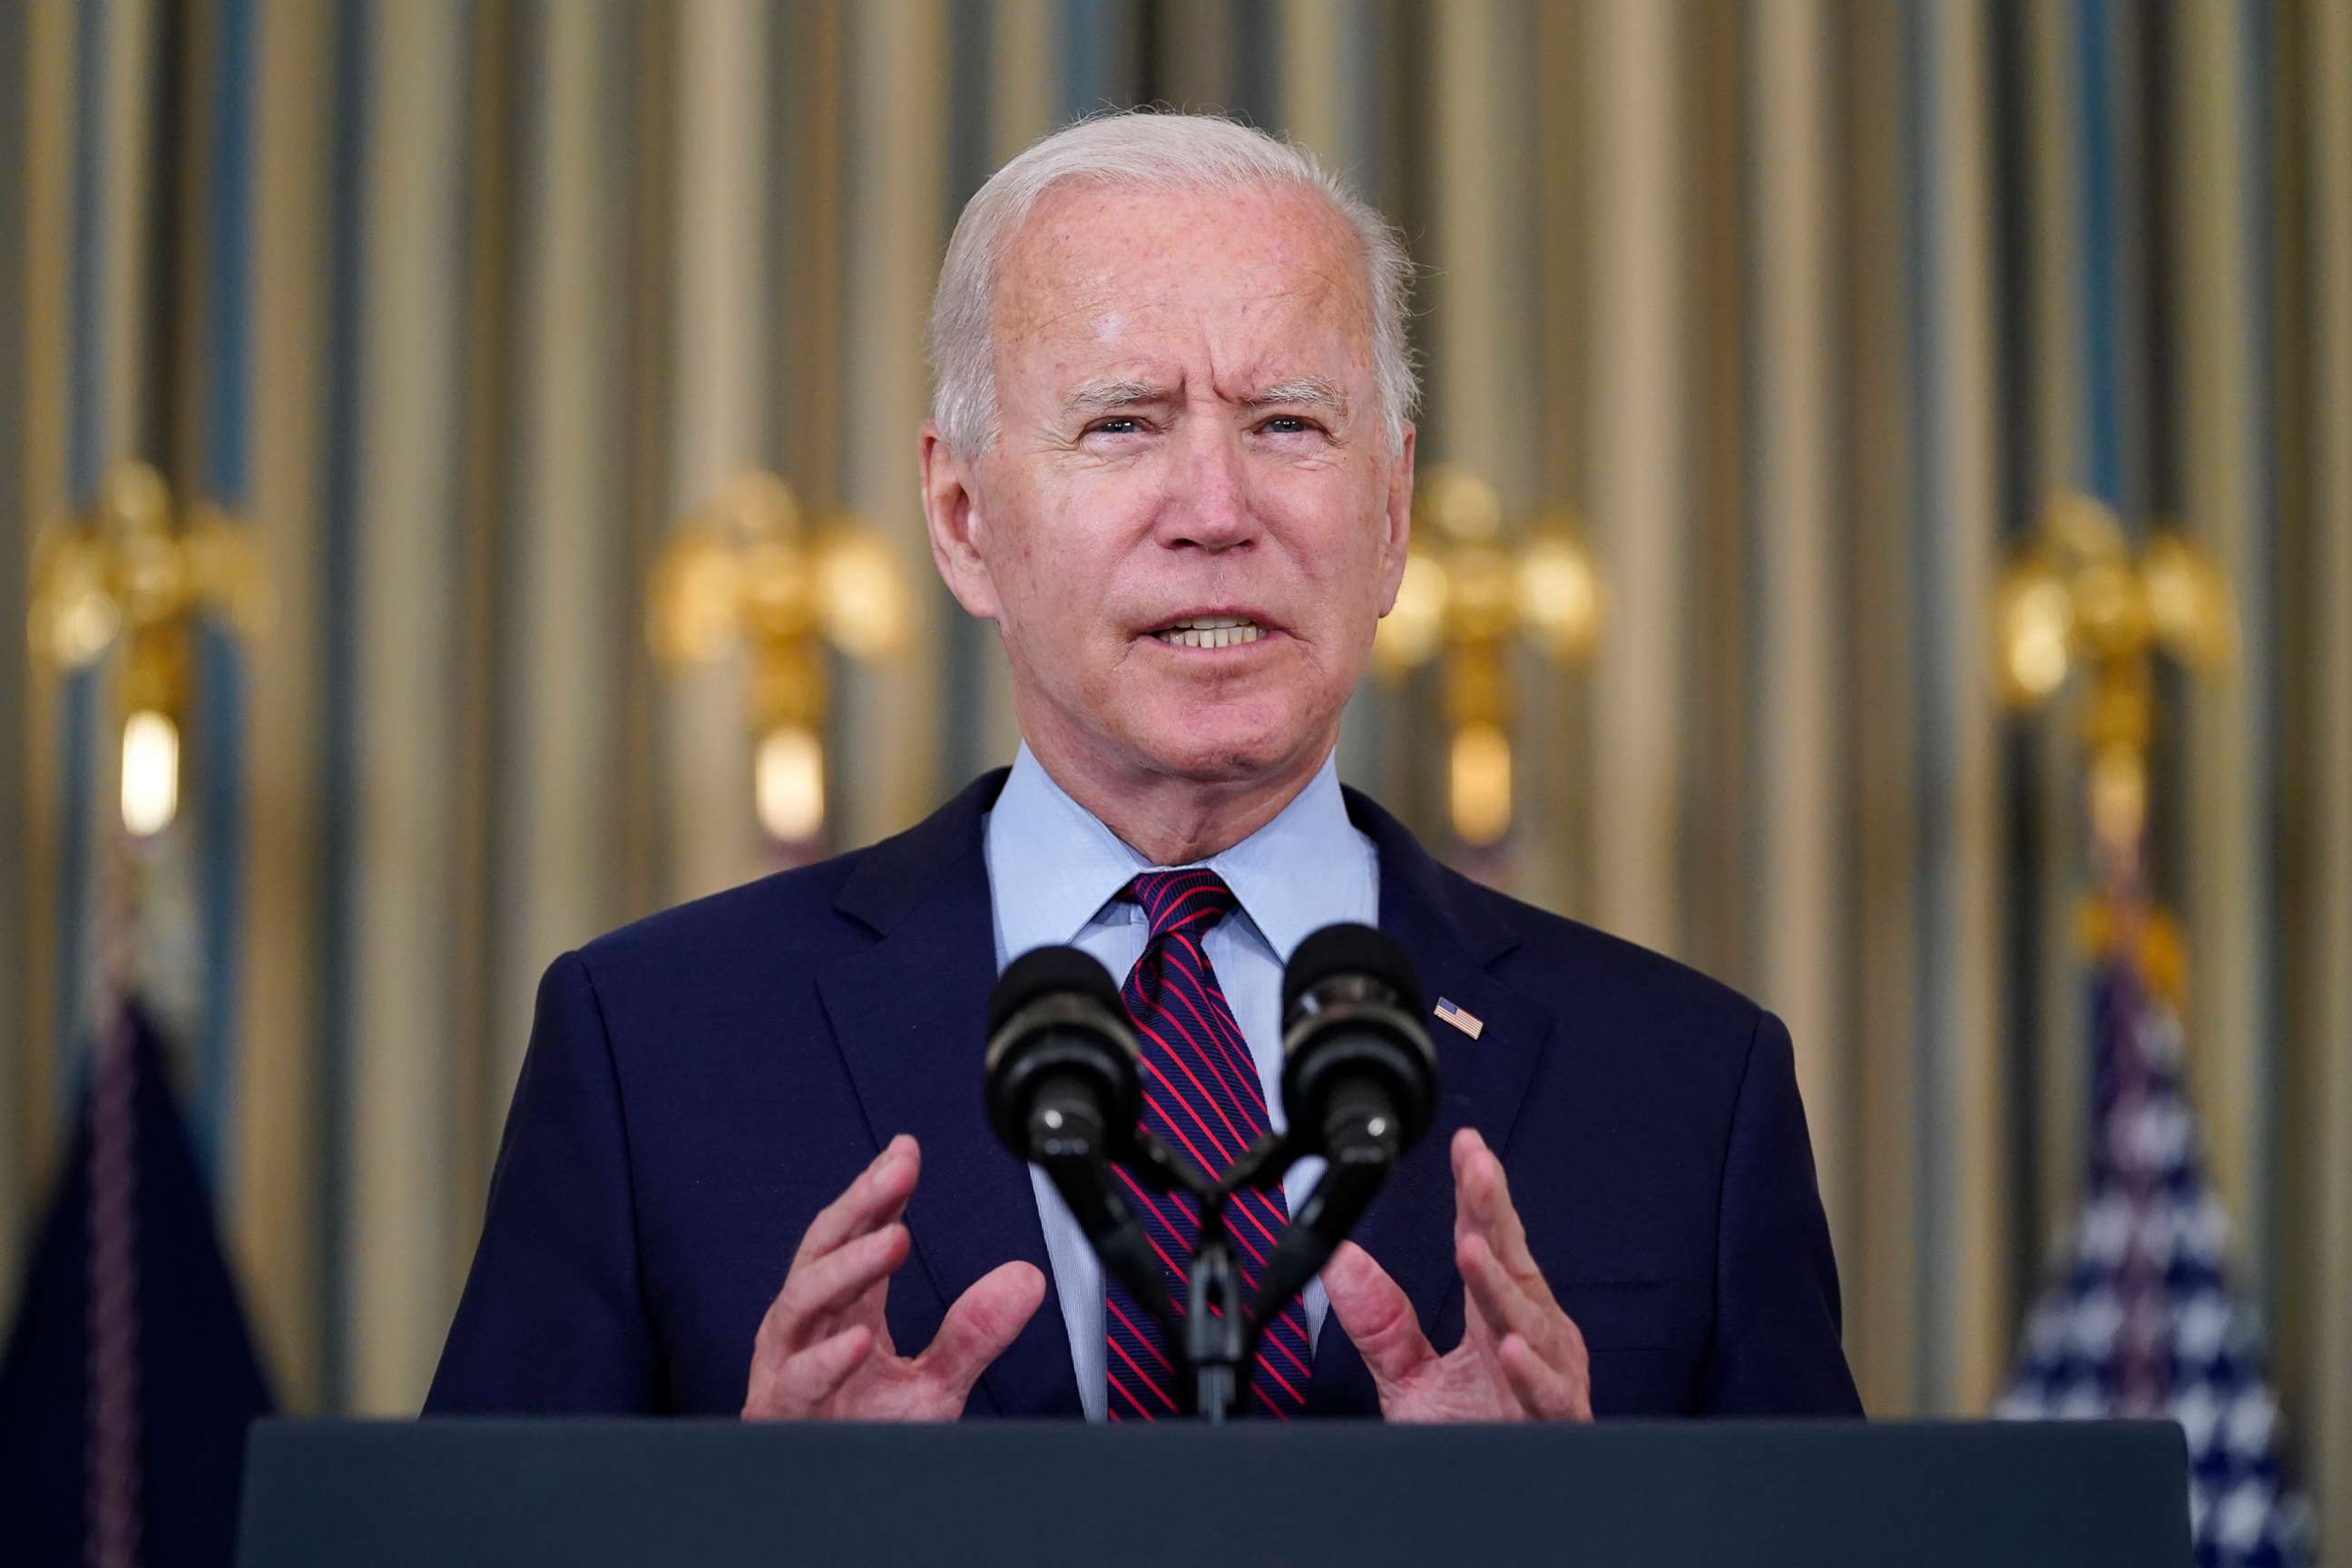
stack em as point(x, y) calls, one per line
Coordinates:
point(823, 1351)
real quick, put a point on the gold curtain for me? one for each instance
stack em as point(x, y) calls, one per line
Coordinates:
point(1804, 311)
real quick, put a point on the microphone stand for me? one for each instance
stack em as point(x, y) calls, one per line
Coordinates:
point(1221, 1344)
point(1214, 1346)
point(1218, 1340)
point(1211, 1346)
point(1071, 1149)
point(1223, 1333)
point(1362, 1150)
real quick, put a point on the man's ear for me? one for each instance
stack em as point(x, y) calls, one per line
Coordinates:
point(951, 512)
point(1398, 515)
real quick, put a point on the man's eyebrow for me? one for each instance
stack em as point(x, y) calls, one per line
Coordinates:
point(1315, 391)
point(1101, 396)
point(1096, 397)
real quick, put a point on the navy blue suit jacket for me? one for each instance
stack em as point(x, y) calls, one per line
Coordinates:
point(700, 1083)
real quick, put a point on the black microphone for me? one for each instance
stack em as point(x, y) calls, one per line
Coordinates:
point(1359, 1087)
point(1358, 1074)
point(1064, 1079)
point(1064, 1090)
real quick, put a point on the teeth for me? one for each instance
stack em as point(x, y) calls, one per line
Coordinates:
point(1212, 631)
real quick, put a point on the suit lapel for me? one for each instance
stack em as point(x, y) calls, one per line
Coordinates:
point(908, 1015)
point(1452, 941)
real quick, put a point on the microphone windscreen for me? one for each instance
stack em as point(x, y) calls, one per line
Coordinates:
point(1046, 970)
point(1350, 949)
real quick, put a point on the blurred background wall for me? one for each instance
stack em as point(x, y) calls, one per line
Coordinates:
point(1806, 313)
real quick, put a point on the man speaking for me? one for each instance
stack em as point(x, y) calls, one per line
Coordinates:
point(748, 1166)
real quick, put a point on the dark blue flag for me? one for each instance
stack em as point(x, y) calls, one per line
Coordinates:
point(2140, 1320)
point(129, 1379)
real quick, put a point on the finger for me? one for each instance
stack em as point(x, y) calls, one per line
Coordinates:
point(1543, 1391)
point(869, 1310)
point(817, 1373)
point(1468, 1141)
point(1485, 1205)
point(876, 1198)
point(1501, 1302)
point(984, 1320)
point(1465, 1143)
point(1469, 1212)
point(1481, 1342)
point(819, 1287)
point(1377, 1316)
point(1485, 1194)
point(1575, 1358)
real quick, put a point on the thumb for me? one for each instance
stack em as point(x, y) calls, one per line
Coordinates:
point(1376, 1314)
point(984, 1320)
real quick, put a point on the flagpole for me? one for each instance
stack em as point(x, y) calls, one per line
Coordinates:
point(111, 1478)
point(2118, 730)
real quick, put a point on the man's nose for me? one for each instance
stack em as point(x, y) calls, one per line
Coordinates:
point(1208, 505)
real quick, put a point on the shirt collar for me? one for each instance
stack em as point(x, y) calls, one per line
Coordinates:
point(1051, 862)
point(1053, 865)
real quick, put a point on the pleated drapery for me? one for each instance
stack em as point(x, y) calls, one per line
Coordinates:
point(1804, 311)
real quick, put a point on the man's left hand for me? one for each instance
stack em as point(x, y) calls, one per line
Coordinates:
point(1520, 1358)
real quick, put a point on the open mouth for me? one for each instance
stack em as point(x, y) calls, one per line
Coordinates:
point(1211, 631)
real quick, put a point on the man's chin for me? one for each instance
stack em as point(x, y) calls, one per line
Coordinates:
point(1238, 754)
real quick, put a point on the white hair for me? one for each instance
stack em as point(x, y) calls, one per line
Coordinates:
point(1141, 150)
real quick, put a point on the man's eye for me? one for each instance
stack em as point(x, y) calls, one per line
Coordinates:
point(1117, 424)
point(1289, 425)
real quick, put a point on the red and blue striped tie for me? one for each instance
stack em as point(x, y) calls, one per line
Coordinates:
point(1200, 1097)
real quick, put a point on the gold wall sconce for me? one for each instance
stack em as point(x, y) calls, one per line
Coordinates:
point(2077, 597)
point(133, 572)
point(1469, 594)
point(747, 573)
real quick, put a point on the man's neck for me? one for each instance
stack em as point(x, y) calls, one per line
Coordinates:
point(1170, 820)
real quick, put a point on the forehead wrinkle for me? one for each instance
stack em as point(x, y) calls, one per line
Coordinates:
point(1044, 300)
point(1097, 300)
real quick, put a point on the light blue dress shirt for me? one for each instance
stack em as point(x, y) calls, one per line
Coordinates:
point(1054, 873)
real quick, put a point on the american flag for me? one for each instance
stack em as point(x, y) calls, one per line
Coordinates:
point(2140, 1320)
point(1451, 1011)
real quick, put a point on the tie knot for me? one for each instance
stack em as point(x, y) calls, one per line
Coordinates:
point(1192, 900)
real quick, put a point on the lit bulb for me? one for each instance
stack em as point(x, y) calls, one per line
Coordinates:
point(788, 784)
point(1409, 633)
point(2037, 628)
point(864, 604)
point(2190, 601)
point(1560, 598)
point(696, 605)
point(1460, 504)
point(150, 773)
point(1481, 783)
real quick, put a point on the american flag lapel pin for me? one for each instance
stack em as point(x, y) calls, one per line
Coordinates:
point(1468, 1023)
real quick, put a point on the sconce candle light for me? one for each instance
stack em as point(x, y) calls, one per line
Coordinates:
point(746, 572)
point(2076, 597)
point(1467, 593)
point(133, 573)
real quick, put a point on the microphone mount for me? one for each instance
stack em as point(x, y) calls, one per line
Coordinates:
point(1358, 1084)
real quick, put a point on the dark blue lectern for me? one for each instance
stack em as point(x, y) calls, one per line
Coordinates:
point(508, 1494)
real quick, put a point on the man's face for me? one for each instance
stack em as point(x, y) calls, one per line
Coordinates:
point(1190, 432)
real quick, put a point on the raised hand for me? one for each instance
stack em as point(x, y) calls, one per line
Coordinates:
point(824, 1350)
point(1520, 1358)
